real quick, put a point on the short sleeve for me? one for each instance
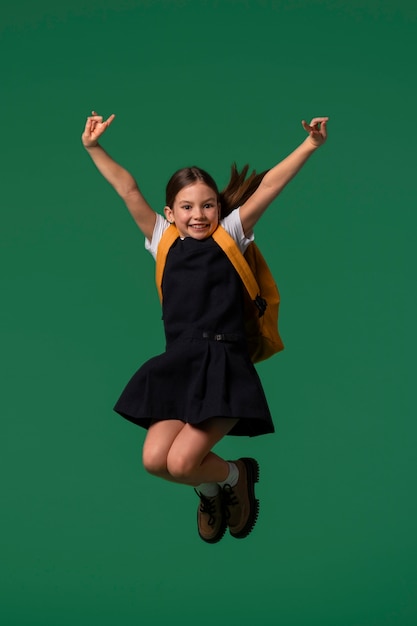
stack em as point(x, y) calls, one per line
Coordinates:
point(160, 227)
point(233, 226)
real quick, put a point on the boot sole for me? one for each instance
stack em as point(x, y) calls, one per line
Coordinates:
point(252, 469)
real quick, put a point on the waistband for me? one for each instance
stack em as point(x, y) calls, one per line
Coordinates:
point(195, 335)
point(221, 336)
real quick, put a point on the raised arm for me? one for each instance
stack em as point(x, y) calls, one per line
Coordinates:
point(122, 181)
point(279, 176)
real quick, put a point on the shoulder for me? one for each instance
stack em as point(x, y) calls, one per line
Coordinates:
point(160, 227)
point(233, 225)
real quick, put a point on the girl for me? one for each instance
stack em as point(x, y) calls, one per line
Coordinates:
point(204, 386)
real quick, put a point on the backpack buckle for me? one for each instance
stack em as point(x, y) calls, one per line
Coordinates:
point(261, 303)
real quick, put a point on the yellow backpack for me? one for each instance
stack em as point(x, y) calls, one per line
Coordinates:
point(261, 293)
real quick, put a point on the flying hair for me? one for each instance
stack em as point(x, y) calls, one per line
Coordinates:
point(239, 188)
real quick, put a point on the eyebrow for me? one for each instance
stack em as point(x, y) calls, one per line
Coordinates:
point(212, 199)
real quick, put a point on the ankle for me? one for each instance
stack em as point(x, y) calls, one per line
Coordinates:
point(210, 490)
point(232, 477)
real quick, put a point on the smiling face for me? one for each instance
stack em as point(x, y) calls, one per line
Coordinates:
point(195, 211)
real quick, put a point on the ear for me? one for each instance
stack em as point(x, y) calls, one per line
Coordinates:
point(169, 214)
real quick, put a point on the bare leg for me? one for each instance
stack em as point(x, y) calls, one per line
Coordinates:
point(190, 460)
point(181, 452)
point(158, 442)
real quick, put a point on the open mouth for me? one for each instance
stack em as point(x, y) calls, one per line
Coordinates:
point(199, 226)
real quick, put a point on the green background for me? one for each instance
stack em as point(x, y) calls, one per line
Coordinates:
point(87, 537)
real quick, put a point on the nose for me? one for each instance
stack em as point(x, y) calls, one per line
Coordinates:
point(199, 213)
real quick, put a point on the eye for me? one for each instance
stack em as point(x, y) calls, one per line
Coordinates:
point(187, 207)
point(209, 205)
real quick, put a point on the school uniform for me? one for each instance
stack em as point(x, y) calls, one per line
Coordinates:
point(206, 370)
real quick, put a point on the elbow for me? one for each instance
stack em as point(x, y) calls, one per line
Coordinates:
point(129, 193)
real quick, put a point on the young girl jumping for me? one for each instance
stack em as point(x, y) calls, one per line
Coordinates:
point(204, 386)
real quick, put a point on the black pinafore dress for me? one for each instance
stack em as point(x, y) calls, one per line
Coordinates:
point(206, 370)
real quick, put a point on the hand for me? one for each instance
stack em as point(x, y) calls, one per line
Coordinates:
point(317, 130)
point(94, 128)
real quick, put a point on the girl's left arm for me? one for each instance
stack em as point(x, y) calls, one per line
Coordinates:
point(279, 176)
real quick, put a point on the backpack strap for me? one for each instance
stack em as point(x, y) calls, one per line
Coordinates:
point(229, 246)
point(170, 235)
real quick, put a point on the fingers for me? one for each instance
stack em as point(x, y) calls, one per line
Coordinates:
point(318, 120)
point(96, 119)
point(95, 127)
point(323, 128)
point(317, 130)
point(99, 118)
point(110, 119)
point(315, 122)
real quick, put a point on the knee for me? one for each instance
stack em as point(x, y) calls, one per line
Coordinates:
point(154, 461)
point(181, 468)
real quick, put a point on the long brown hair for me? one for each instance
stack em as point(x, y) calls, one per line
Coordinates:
point(237, 191)
point(239, 188)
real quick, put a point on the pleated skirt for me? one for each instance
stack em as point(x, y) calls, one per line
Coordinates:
point(195, 380)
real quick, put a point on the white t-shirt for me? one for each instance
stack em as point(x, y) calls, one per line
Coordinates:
point(231, 224)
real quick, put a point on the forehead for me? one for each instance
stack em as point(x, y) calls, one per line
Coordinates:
point(196, 191)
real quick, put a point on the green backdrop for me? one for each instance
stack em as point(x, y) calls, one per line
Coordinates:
point(86, 536)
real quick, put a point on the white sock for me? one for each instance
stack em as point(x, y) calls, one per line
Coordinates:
point(232, 477)
point(208, 489)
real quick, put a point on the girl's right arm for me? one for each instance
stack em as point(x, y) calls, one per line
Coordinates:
point(122, 181)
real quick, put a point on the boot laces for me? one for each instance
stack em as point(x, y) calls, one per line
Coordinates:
point(208, 506)
point(229, 498)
